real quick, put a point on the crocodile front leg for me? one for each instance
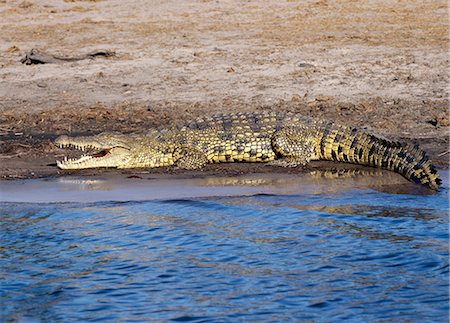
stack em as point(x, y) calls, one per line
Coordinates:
point(189, 158)
point(294, 146)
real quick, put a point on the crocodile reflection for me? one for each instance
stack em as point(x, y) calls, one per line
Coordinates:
point(277, 179)
point(330, 180)
point(86, 184)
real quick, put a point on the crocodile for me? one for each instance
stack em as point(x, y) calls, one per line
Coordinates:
point(277, 138)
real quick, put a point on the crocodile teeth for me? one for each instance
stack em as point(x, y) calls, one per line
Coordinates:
point(78, 147)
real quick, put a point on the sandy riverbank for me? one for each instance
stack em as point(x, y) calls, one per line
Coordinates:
point(379, 65)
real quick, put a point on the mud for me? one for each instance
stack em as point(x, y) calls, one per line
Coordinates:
point(382, 66)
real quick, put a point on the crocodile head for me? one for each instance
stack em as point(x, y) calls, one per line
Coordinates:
point(106, 150)
point(116, 150)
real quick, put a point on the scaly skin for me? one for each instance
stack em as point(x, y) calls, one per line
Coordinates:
point(281, 139)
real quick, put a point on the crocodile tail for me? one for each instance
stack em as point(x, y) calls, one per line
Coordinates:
point(352, 145)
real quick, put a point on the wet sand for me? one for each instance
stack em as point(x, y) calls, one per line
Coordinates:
point(382, 66)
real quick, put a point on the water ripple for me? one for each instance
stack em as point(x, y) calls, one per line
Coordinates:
point(358, 256)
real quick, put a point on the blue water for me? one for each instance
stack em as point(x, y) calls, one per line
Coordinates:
point(356, 256)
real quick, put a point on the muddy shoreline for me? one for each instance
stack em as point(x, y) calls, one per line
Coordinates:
point(380, 66)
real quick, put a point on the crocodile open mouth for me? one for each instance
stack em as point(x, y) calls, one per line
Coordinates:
point(83, 160)
point(98, 154)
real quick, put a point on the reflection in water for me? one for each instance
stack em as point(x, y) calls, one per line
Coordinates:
point(365, 177)
point(335, 179)
point(85, 184)
point(118, 188)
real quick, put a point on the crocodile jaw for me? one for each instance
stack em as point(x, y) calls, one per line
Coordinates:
point(108, 155)
point(115, 157)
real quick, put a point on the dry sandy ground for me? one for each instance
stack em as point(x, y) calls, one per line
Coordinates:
point(381, 65)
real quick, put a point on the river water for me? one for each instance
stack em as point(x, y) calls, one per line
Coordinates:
point(321, 247)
